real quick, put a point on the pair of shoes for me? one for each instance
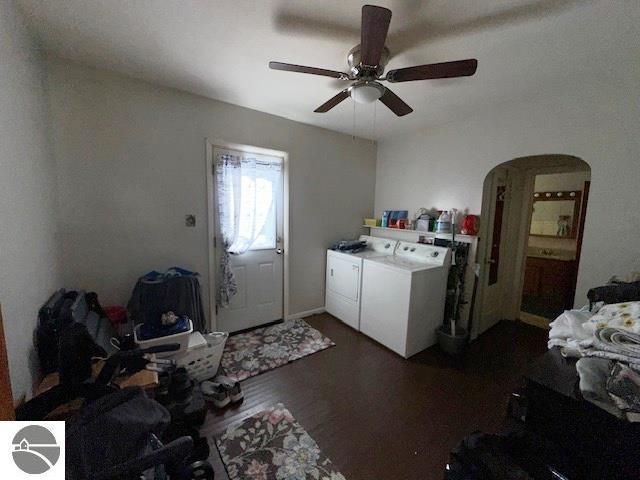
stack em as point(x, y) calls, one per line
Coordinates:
point(222, 391)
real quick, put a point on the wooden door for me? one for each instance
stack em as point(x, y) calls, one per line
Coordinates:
point(494, 302)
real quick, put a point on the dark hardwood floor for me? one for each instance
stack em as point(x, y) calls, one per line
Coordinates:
point(378, 416)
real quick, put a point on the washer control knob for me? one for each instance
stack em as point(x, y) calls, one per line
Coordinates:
point(406, 248)
point(387, 245)
point(413, 249)
point(435, 254)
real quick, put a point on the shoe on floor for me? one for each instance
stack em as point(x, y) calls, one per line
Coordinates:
point(216, 393)
point(232, 386)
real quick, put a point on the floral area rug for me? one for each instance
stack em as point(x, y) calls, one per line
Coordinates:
point(254, 352)
point(272, 445)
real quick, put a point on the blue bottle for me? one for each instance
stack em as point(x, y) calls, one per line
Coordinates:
point(385, 219)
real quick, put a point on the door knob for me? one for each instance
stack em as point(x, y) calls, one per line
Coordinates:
point(279, 251)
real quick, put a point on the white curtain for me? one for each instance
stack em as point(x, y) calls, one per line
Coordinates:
point(246, 186)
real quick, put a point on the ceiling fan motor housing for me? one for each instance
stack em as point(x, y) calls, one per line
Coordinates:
point(359, 70)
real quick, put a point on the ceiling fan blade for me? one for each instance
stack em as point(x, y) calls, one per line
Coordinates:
point(289, 67)
point(332, 102)
point(460, 68)
point(373, 34)
point(395, 103)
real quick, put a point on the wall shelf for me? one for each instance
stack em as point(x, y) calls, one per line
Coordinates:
point(418, 233)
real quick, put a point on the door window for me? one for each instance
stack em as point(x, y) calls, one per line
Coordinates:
point(261, 191)
point(248, 188)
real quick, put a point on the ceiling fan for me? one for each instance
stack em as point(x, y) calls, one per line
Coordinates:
point(366, 66)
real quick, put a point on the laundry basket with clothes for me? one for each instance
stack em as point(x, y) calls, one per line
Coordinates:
point(176, 290)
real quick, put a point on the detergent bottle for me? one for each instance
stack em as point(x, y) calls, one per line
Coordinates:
point(443, 224)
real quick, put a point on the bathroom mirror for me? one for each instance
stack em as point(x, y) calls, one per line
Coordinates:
point(555, 214)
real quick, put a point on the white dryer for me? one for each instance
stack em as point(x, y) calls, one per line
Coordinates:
point(344, 278)
point(403, 297)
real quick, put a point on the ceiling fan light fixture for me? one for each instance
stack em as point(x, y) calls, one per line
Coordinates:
point(366, 92)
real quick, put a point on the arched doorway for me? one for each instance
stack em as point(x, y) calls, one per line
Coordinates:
point(533, 211)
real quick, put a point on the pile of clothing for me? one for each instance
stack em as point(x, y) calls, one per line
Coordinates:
point(613, 332)
point(607, 343)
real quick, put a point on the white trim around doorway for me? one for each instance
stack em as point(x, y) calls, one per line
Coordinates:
point(520, 233)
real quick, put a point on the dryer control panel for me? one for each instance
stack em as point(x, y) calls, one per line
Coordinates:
point(418, 252)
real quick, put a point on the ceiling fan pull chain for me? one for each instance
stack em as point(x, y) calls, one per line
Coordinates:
point(353, 136)
point(375, 110)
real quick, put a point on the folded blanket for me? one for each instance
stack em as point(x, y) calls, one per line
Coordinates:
point(614, 344)
point(625, 316)
point(618, 341)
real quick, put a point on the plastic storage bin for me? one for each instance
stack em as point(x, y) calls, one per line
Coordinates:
point(181, 338)
point(202, 363)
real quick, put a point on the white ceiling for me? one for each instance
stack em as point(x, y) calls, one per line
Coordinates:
point(221, 48)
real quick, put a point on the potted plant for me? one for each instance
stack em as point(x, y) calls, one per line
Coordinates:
point(453, 338)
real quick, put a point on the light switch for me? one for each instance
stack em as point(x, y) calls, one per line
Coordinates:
point(190, 220)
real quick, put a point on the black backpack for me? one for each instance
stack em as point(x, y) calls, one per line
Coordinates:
point(53, 317)
point(615, 292)
point(112, 431)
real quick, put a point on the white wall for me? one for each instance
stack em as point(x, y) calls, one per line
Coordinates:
point(131, 164)
point(28, 253)
point(594, 120)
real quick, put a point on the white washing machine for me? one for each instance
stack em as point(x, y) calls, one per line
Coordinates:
point(344, 278)
point(403, 297)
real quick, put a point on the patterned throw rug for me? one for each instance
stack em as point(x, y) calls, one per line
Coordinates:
point(271, 445)
point(248, 354)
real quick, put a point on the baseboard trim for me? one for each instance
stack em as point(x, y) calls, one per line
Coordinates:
point(534, 320)
point(306, 313)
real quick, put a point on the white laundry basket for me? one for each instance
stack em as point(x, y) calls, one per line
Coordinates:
point(181, 339)
point(202, 363)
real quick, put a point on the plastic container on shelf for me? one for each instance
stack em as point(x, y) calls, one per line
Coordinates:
point(181, 338)
point(385, 219)
point(443, 224)
point(202, 362)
